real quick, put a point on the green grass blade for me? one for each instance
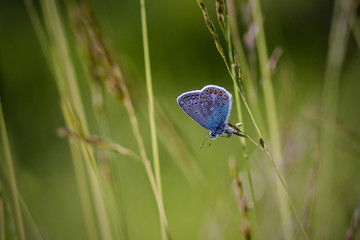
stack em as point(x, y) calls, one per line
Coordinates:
point(154, 140)
point(11, 176)
point(338, 39)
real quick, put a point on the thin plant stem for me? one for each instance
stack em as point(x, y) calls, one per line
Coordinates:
point(241, 201)
point(286, 190)
point(80, 151)
point(99, 142)
point(64, 73)
point(338, 38)
point(242, 140)
point(237, 43)
point(211, 27)
point(147, 164)
point(30, 220)
point(274, 131)
point(281, 181)
point(154, 141)
point(283, 205)
point(2, 218)
point(11, 176)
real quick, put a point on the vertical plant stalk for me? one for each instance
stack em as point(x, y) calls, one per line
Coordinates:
point(154, 142)
point(210, 25)
point(109, 71)
point(261, 144)
point(79, 151)
point(271, 111)
point(76, 155)
point(339, 35)
point(236, 40)
point(2, 217)
point(64, 73)
point(241, 201)
point(11, 176)
point(147, 164)
point(313, 186)
point(229, 33)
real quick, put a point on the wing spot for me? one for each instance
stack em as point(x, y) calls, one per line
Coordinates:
point(211, 91)
point(207, 92)
point(209, 118)
point(205, 110)
point(215, 92)
point(220, 93)
point(203, 96)
point(219, 113)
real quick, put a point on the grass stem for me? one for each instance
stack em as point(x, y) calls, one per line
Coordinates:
point(274, 131)
point(11, 176)
point(154, 141)
point(338, 38)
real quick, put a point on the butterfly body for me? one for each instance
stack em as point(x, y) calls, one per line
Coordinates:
point(210, 107)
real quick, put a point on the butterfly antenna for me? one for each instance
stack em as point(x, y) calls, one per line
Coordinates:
point(205, 141)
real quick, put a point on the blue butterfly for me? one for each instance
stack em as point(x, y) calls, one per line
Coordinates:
point(210, 107)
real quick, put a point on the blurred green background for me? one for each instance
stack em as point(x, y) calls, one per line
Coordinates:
point(183, 57)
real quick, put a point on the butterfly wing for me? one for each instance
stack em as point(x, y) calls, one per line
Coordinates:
point(210, 107)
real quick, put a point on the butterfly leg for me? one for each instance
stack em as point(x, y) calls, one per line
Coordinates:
point(205, 141)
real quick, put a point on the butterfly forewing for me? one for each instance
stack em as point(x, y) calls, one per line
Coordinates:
point(209, 107)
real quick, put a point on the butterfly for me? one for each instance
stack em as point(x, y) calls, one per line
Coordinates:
point(210, 107)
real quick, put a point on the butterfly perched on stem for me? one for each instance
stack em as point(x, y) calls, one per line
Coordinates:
point(210, 107)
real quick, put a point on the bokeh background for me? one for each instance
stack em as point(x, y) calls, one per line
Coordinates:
point(197, 186)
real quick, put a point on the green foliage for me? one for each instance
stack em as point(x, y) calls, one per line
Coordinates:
point(89, 126)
